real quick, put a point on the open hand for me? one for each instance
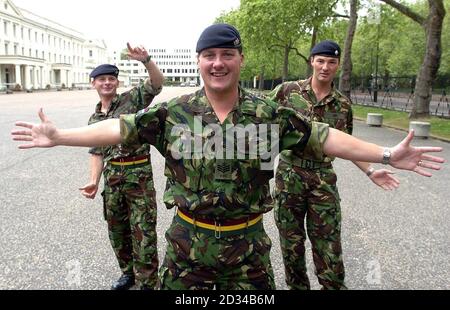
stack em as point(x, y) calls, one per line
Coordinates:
point(39, 135)
point(384, 178)
point(89, 190)
point(406, 157)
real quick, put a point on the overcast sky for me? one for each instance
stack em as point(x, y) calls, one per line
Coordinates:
point(163, 23)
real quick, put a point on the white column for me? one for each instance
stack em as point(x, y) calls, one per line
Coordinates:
point(41, 78)
point(18, 76)
point(35, 77)
point(66, 78)
point(69, 78)
point(27, 83)
point(45, 77)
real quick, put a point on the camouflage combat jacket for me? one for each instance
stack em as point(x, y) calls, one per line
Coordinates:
point(334, 110)
point(208, 185)
point(131, 101)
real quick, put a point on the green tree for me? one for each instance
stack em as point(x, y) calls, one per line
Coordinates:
point(347, 65)
point(432, 25)
point(279, 25)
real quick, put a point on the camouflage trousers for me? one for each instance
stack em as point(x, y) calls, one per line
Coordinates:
point(130, 210)
point(311, 194)
point(198, 261)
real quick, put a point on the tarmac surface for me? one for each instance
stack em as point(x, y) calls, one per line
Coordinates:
point(54, 238)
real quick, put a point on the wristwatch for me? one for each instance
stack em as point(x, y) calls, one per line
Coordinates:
point(370, 171)
point(147, 60)
point(386, 156)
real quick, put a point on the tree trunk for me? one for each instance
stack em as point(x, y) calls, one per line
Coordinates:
point(309, 70)
point(432, 60)
point(347, 66)
point(261, 79)
point(287, 49)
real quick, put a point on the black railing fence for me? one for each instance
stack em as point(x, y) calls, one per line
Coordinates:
point(389, 92)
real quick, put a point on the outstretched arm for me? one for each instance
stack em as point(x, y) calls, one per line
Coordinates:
point(382, 177)
point(46, 134)
point(403, 156)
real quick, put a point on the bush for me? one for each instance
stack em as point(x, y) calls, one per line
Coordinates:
point(17, 87)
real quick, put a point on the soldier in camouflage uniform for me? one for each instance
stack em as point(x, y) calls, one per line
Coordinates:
point(306, 187)
point(217, 239)
point(129, 194)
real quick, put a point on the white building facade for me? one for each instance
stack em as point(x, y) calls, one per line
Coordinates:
point(36, 53)
point(178, 65)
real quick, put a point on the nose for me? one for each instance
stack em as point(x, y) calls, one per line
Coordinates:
point(218, 62)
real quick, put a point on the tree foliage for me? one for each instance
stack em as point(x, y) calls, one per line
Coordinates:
point(268, 26)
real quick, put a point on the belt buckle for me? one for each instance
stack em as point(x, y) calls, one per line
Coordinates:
point(308, 164)
point(217, 230)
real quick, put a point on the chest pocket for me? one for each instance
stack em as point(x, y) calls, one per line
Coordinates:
point(335, 119)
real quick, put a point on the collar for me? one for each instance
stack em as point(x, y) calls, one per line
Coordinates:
point(306, 87)
point(98, 107)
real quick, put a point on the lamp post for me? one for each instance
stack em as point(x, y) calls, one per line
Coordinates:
point(375, 91)
point(375, 18)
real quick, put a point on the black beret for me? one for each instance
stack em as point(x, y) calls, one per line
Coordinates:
point(219, 35)
point(327, 48)
point(105, 70)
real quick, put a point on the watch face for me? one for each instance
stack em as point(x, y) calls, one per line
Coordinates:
point(386, 156)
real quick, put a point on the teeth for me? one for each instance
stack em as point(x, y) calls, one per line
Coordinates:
point(219, 74)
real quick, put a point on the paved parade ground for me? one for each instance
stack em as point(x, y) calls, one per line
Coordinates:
point(54, 238)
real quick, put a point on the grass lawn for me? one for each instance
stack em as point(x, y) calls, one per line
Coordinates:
point(440, 127)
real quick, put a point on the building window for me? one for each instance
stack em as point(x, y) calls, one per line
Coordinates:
point(90, 53)
point(135, 71)
point(5, 28)
point(15, 49)
point(6, 48)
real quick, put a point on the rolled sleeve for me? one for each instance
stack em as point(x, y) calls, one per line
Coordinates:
point(128, 131)
point(150, 89)
point(96, 151)
point(314, 147)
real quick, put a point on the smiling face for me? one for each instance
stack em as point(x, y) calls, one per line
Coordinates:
point(220, 68)
point(106, 85)
point(324, 68)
